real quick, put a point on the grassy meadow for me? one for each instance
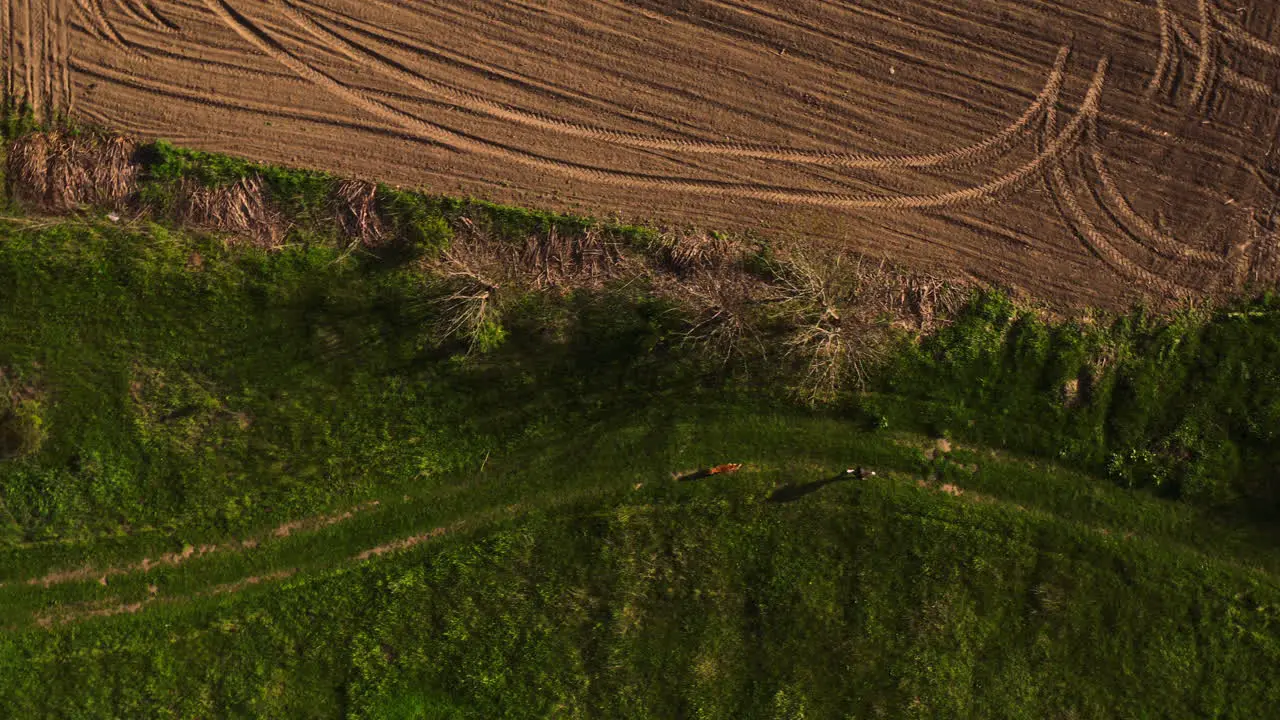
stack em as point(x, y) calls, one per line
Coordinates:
point(357, 466)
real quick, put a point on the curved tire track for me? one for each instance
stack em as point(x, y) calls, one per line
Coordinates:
point(1097, 241)
point(971, 154)
point(438, 134)
point(92, 10)
point(1208, 57)
point(1143, 230)
point(1229, 75)
point(6, 27)
point(1165, 60)
point(1233, 31)
point(142, 11)
point(187, 94)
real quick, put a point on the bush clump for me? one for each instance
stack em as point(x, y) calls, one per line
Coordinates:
point(21, 424)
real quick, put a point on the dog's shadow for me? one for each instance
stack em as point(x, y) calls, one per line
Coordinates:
point(792, 492)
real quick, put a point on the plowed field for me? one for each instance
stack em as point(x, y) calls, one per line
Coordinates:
point(1082, 150)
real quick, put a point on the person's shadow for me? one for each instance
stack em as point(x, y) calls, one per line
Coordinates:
point(792, 492)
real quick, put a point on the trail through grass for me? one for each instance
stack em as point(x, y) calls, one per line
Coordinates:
point(679, 599)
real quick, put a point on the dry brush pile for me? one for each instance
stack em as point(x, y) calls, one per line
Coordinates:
point(842, 313)
point(58, 172)
point(355, 210)
point(479, 274)
point(243, 210)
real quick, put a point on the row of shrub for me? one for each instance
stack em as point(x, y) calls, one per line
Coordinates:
point(1183, 404)
point(1187, 405)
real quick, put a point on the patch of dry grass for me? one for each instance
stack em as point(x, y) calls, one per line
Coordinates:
point(838, 310)
point(843, 310)
point(472, 271)
point(242, 209)
point(724, 306)
point(479, 273)
point(558, 260)
point(687, 250)
point(59, 172)
point(355, 210)
point(839, 320)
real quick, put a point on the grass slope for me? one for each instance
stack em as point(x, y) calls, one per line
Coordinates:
point(679, 600)
point(162, 390)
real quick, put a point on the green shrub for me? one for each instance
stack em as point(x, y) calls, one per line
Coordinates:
point(415, 220)
point(488, 336)
point(21, 430)
point(16, 120)
point(1139, 468)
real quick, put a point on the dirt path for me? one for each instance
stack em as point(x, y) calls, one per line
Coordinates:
point(906, 128)
point(305, 525)
point(116, 606)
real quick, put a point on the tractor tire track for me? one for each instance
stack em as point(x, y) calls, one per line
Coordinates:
point(1165, 60)
point(210, 60)
point(1185, 143)
point(127, 7)
point(441, 135)
point(90, 25)
point(1230, 76)
point(160, 21)
point(92, 10)
point(48, 61)
point(1119, 204)
point(1233, 31)
point(40, 56)
point(56, 67)
point(141, 9)
point(834, 131)
point(109, 29)
point(1208, 57)
point(64, 58)
point(883, 45)
point(27, 53)
point(971, 154)
point(773, 115)
point(563, 92)
point(182, 93)
point(1098, 242)
point(6, 27)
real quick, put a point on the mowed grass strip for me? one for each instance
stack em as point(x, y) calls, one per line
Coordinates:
point(680, 599)
point(776, 449)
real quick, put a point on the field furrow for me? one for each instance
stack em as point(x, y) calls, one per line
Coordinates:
point(898, 128)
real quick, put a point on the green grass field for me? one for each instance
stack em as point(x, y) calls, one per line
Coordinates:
point(875, 598)
point(241, 483)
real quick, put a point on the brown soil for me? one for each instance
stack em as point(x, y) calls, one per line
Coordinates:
point(315, 523)
point(404, 543)
point(912, 129)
